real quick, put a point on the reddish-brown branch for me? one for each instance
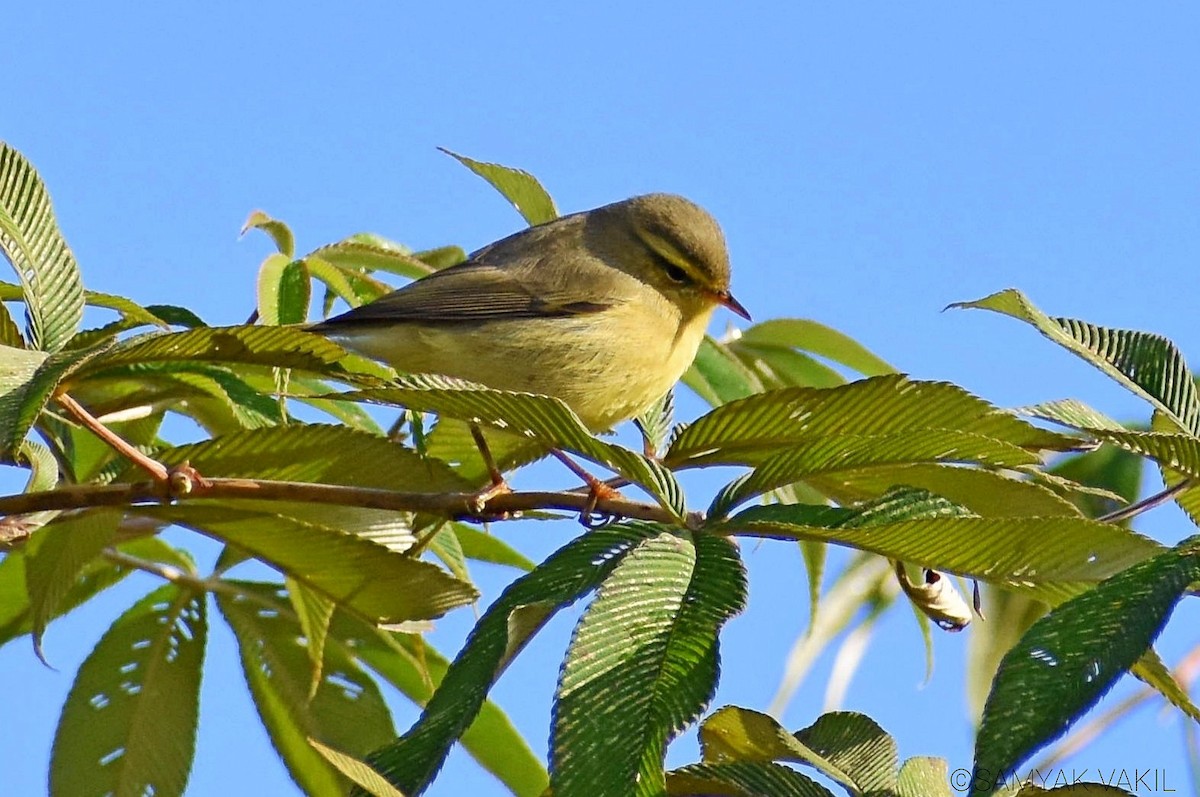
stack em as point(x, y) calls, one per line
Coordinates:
point(156, 469)
point(460, 505)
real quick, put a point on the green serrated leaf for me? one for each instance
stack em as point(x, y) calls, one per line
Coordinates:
point(719, 376)
point(315, 392)
point(360, 772)
point(733, 735)
point(444, 545)
point(485, 547)
point(248, 408)
point(656, 423)
point(854, 744)
point(281, 347)
point(924, 776)
point(441, 257)
point(281, 233)
point(1009, 615)
point(833, 455)
point(413, 667)
point(10, 333)
point(133, 312)
point(363, 575)
point(1072, 656)
point(811, 336)
point(346, 713)
point(1151, 670)
point(642, 664)
point(411, 761)
point(176, 316)
point(215, 396)
point(777, 367)
point(1113, 479)
point(350, 285)
point(753, 779)
point(317, 453)
point(43, 467)
point(97, 575)
point(32, 242)
point(129, 723)
point(284, 291)
point(984, 492)
point(451, 441)
point(23, 400)
point(56, 556)
point(314, 611)
point(364, 254)
point(1183, 485)
point(1148, 365)
point(519, 187)
point(750, 430)
point(1071, 412)
point(1050, 557)
point(1175, 451)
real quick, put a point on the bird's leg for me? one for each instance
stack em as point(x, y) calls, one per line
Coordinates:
point(499, 486)
point(597, 489)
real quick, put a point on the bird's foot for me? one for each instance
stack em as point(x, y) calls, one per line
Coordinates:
point(480, 499)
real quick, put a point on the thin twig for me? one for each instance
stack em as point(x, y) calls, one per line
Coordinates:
point(457, 505)
point(1146, 503)
point(186, 579)
point(161, 569)
point(156, 469)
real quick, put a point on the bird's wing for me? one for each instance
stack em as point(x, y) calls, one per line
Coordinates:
point(468, 292)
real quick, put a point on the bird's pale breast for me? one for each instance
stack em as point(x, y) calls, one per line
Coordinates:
point(591, 362)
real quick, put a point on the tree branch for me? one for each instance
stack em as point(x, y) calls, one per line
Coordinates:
point(455, 505)
point(154, 468)
point(187, 579)
point(1146, 504)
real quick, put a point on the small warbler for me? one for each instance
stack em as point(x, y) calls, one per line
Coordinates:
point(603, 309)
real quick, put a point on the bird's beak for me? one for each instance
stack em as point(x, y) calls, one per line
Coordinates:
point(726, 298)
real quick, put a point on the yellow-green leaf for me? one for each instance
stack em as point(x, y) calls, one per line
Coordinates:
point(519, 187)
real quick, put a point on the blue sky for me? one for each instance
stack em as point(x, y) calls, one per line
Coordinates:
point(869, 163)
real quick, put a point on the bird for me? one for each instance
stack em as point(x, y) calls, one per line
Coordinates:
point(604, 309)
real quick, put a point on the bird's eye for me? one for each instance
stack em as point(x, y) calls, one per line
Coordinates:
point(675, 273)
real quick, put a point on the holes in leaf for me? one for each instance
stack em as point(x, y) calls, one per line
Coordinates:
point(183, 628)
point(98, 701)
point(1044, 656)
point(111, 756)
point(350, 690)
point(172, 649)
